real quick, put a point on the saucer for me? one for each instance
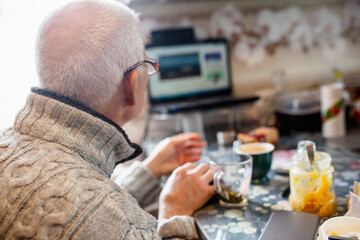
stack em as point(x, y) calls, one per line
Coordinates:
point(243, 203)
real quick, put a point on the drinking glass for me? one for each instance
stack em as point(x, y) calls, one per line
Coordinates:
point(157, 128)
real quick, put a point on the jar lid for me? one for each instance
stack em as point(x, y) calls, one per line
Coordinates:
point(322, 161)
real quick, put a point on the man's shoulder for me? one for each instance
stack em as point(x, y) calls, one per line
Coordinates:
point(51, 189)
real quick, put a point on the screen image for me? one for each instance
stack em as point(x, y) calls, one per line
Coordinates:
point(189, 70)
point(216, 56)
point(171, 69)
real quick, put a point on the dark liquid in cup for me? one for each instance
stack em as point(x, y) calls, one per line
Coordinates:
point(233, 198)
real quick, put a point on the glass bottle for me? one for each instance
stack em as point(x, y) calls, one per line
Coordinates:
point(311, 181)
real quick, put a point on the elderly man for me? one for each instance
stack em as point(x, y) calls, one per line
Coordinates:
point(57, 159)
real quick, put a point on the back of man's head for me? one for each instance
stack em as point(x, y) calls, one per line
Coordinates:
point(84, 48)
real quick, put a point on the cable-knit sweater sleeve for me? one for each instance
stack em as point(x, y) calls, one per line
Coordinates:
point(139, 181)
point(177, 227)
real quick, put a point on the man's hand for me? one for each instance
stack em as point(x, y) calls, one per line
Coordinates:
point(173, 152)
point(187, 189)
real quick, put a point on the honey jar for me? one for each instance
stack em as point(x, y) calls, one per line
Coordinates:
point(311, 181)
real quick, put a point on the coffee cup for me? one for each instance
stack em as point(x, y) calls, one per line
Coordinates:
point(232, 178)
point(342, 226)
point(261, 153)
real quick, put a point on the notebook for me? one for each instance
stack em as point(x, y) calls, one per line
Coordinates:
point(192, 76)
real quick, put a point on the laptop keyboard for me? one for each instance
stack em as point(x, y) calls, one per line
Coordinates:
point(202, 104)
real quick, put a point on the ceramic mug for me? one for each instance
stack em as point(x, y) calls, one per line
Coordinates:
point(261, 153)
point(344, 226)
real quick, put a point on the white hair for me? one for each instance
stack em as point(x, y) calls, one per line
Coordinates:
point(84, 48)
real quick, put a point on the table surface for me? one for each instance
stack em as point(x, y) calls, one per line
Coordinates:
point(217, 222)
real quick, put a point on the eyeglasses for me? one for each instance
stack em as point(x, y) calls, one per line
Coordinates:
point(152, 66)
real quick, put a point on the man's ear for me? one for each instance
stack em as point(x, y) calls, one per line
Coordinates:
point(130, 85)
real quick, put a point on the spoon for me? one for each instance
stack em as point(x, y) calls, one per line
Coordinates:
point(310, 152)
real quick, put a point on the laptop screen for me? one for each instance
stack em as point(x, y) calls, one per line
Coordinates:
point(190, 70)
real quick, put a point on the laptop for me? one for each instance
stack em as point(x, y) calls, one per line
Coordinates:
point(193, 76)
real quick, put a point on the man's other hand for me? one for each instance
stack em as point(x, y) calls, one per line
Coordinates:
point(173, 152)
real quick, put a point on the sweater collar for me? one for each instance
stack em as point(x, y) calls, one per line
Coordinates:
point(61, 120)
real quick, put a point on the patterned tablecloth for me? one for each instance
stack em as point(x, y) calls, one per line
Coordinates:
point(217, 222)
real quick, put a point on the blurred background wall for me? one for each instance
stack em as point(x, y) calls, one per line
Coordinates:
point(298, 41)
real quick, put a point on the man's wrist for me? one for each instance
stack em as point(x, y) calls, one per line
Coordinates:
point(152, 167)
point(168, 213)
point(169, 208)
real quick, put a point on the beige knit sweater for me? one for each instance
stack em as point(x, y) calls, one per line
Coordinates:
point(55, 165)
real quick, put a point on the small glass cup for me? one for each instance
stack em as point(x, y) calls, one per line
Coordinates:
point(157, 128)
point(232, 178)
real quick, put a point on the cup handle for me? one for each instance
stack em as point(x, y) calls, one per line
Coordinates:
point(217, 176)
